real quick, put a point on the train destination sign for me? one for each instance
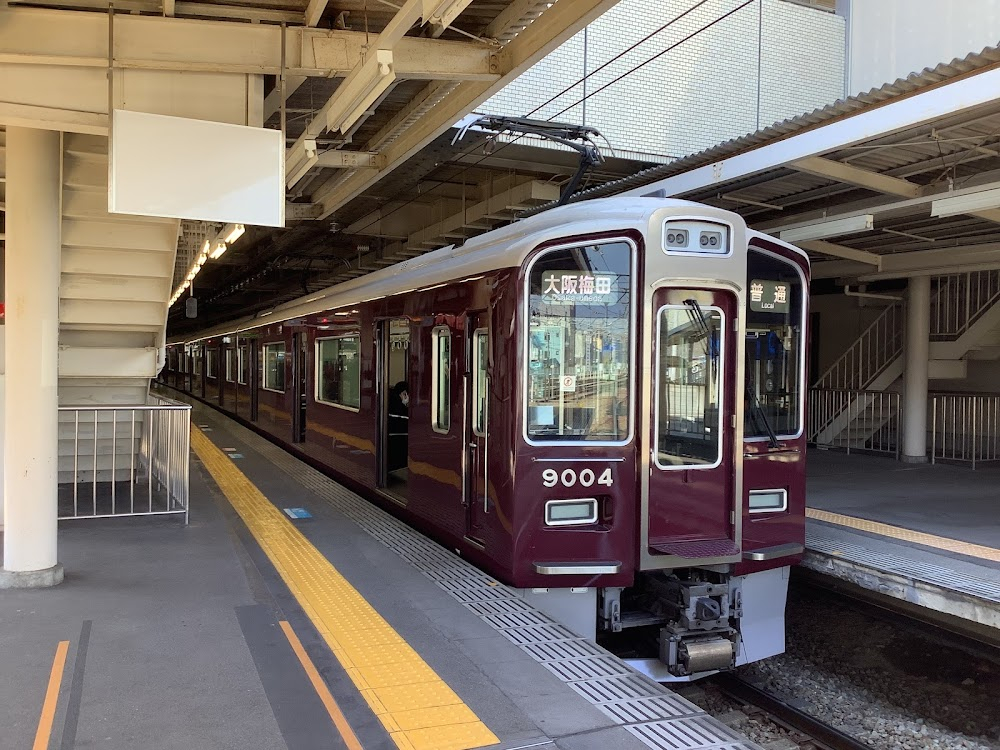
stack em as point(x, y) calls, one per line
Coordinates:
point(580, 287)
point(769, 296)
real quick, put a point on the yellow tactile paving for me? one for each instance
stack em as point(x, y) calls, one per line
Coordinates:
point(907, 535)
point(416, 706)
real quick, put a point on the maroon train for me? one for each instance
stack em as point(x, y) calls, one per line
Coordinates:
point(601, 405)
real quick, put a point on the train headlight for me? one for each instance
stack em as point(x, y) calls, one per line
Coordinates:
point(570, 512)
point(768, 501)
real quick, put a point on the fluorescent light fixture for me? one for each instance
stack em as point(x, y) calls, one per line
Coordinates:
point(443, 12)
point(830, 228)
point(233, 233)
point(185, 285)
point(982, 200)
point(360, 91)
point(217, 250)
point(202, 259)
point(206, 247)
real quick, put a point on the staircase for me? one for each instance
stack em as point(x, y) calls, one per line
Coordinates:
point(114, 288)
point(855, 403)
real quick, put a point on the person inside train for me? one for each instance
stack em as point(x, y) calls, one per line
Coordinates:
point(398, 425)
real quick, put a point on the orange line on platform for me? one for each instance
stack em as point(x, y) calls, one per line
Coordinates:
point(336, 715)
point(51, 698)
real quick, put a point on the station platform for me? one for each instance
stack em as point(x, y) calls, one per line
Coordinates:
point(924, 534)
point(248, 629)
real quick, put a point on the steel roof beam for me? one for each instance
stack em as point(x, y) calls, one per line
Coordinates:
point(840, 172)
point(934, 262)
point(553, 27)
point(841, 251)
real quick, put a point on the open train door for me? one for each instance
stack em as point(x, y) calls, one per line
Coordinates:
point(691, 499)
point(477, 423)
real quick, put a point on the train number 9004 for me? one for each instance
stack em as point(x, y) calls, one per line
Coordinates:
point(570, 478)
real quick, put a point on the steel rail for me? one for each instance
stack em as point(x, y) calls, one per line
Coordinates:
point(820, 733)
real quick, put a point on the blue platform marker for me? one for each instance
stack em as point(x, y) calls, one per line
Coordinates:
point(236, 455)
point(298, 513)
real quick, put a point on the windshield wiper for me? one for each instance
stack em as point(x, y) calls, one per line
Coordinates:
point(758, 412)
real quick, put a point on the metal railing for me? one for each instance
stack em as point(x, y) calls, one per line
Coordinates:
point(855, 420)
point(874, 350)
point(960, 300)
point(130, 460)
point(965, 428)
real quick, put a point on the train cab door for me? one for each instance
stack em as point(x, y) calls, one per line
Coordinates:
point(691, 499)
point(477, 349)
point(300, 376)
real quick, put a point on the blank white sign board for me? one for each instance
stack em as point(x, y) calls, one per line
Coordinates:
point(195, 169)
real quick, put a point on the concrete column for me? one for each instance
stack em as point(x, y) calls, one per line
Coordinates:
point(918, 332)
point(30, 421)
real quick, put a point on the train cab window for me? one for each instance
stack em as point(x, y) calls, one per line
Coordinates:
point(774, 347)
point(243, 364)
point(689, 376)
point(441, 379)
point(212, 363)
point(338, 371)
point(580, 320)
point(274, 367)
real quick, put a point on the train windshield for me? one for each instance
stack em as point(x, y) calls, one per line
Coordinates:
point(578, 347)
point(774, 347)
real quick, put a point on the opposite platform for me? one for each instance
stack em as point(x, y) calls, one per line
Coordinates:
point(924, 534)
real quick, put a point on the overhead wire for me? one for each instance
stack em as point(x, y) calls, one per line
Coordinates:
point(565, 90)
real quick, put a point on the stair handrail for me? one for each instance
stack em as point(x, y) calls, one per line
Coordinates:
point(870, 354)
point(966, 312)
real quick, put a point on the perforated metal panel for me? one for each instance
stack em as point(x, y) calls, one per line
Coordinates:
point(652, 713)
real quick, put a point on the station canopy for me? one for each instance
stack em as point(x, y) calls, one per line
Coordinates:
point(885, 185)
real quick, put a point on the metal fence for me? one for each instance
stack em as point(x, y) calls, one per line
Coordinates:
point(965, 428)
point(867, 421)
point(130, 460)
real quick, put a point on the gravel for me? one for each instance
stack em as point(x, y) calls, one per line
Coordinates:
point(892, 687)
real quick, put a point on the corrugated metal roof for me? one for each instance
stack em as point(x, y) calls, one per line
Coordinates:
point(903, 87)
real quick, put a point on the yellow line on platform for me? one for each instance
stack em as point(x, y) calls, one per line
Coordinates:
point(419, 710)
point(906, 535)
point(51, 698)
point(336, 715)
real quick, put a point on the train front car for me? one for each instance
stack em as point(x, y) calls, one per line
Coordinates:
point(661, 460)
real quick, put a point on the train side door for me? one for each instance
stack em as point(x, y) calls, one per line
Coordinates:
point(300, 376)
point(691, 497)
point(392, 367)
point(253, 378)
point(477, 349)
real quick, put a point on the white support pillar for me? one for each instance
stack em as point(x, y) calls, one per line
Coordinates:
point(30, 422)
point(918, 332)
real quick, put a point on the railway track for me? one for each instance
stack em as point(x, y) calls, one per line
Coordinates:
point(807, 731)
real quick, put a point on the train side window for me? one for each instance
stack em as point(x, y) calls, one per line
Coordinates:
point(230, 366)
point(243, 365)
point(274, 367)
point(212, 363)
point(441, 379)
point(480, 360)
point(338, 371)
point(689, 376)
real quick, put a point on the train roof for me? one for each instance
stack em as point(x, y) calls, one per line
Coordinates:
point(506, 247)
